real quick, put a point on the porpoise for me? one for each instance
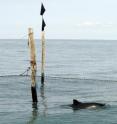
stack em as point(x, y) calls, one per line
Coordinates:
point(84, 105)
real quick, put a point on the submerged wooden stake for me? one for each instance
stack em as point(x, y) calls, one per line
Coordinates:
point(43, 57)
point(33, 65)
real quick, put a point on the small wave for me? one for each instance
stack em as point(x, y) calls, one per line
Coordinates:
point(76, 78)
point(63, 78)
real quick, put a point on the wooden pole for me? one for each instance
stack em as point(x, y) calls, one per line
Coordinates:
point(43, 45)
point(33, 65)
point(43, 57)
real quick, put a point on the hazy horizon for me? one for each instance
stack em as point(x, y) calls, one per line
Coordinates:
point(61, 39)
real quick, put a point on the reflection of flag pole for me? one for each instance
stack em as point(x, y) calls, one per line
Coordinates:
point(31, 45)
point(43, 44)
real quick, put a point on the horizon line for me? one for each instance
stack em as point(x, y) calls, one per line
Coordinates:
point(58, 39)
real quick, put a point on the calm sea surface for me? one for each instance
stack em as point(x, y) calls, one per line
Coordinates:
point(80, 69)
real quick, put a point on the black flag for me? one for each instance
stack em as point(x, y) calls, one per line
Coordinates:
point(43, 24)
point(42, 9)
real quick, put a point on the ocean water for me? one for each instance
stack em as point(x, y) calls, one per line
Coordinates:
point(75, 69)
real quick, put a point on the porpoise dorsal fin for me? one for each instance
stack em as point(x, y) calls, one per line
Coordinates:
point(76, 102)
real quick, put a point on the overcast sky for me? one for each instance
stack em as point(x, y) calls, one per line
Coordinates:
point(68, 19)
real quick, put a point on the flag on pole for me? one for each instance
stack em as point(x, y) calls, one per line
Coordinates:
point(42, 9)
point(43, 24)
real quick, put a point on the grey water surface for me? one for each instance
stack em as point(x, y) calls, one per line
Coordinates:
point(80, 69)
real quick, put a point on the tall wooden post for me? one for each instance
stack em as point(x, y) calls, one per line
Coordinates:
point(43, 57)
point(33, 65)
point(43, 44)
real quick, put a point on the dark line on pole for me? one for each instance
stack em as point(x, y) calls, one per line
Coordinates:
point(42, 78)
point(34, 94)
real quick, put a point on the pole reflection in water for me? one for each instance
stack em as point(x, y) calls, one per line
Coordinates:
point(35, 114)
point(37, 109)
point(44, 101)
